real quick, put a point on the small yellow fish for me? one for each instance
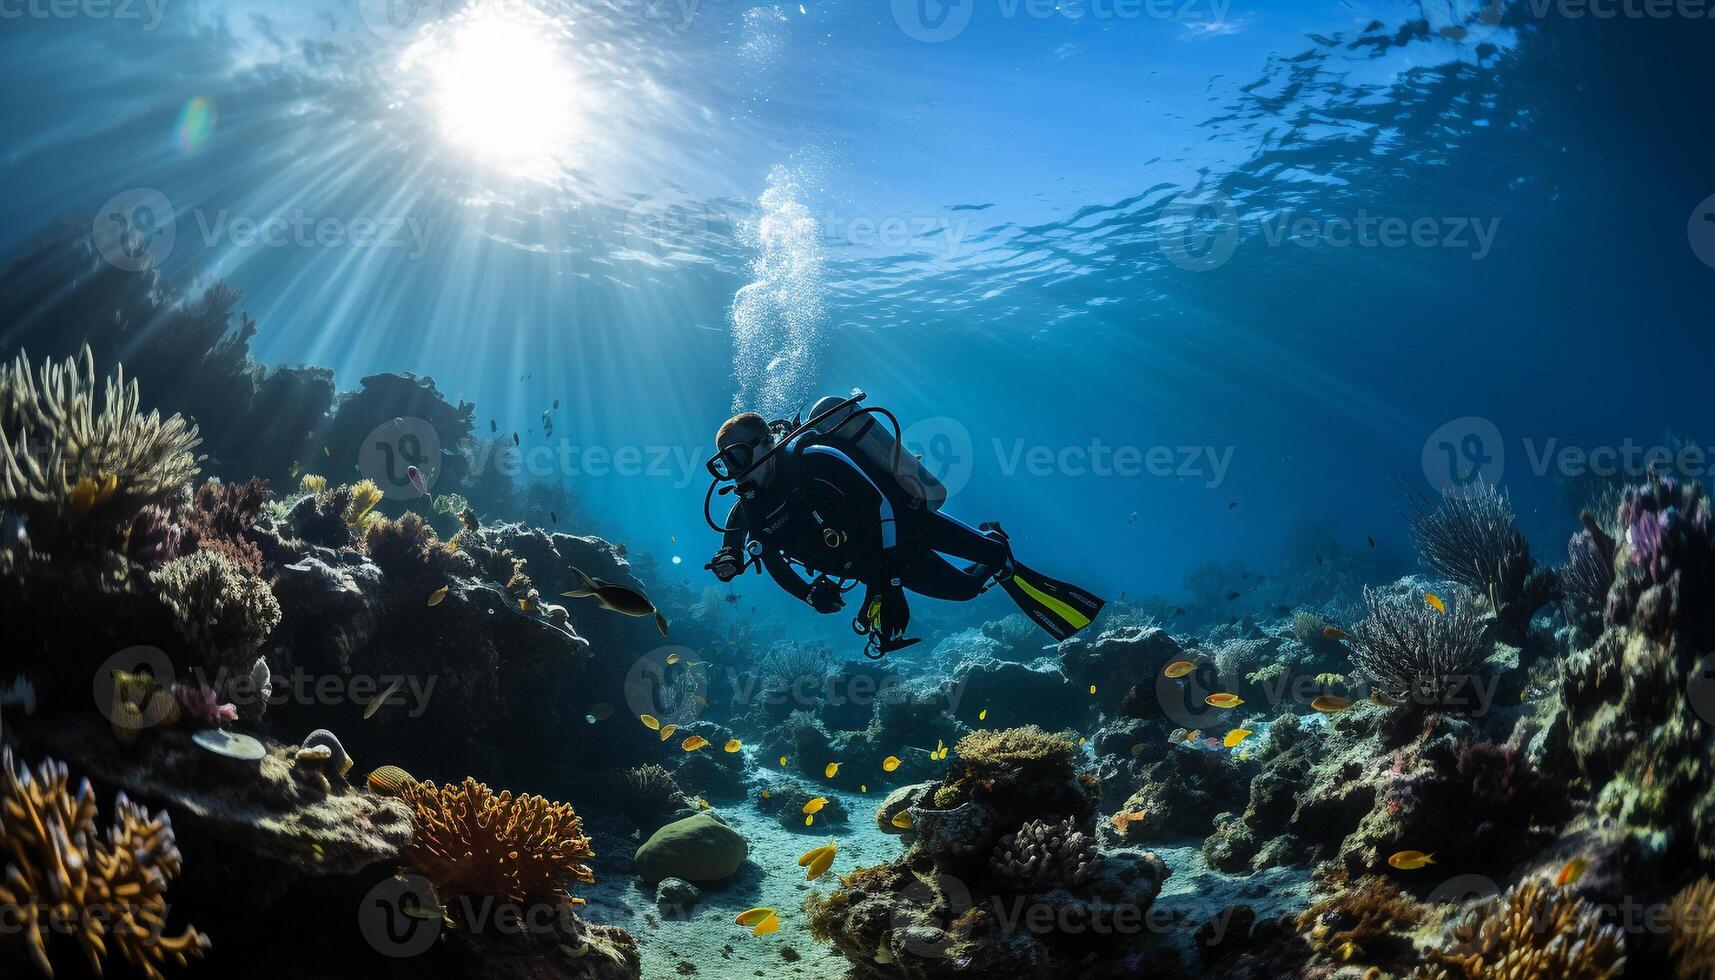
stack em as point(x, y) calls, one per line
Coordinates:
point(890, 763)
point(1330, 703)
point(814, 853)
point(830, 770)
point(650, 722)
point(767, 926)
point(815, 805)
point(381, 699)
point(436, 596)
point(1236, 736)
point(667, 731)
point(1193, 735)
point(1570, 874)
point(1178, 669)
point(1081, 741)
point(863, 787)
point(1411, 860)
point(693, 743)
point(1223, 701)
point(1092, 688)
point(702, 804)
point(672, 658)
point(902, 820)
point(751, 917)
point(1335, 633)
point(733, 746)
point(1435, 602)
point(782, 760)
point(1137, 750)
point(821, 864)
point(809, 820)
point(765, 794)
point(983, 715)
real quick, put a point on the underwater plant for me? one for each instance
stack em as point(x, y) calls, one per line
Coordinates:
point(1472, 538)
point(60, 872)
point(222, 612)
point(1533, 932)
point(1586, 578)
point(467, 841)
point(61, 458)
point(1412, 650)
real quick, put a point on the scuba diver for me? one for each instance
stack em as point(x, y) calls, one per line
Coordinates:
point(837, 496)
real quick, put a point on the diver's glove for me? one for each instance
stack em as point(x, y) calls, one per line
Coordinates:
point(825, 596)
point(726, 565)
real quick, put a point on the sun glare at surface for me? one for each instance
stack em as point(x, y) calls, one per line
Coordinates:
point(502, 89)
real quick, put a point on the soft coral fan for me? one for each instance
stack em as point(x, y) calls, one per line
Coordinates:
point(1473, 539)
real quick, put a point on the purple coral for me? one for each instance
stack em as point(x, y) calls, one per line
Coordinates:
point(202, 704)
point(156, 538)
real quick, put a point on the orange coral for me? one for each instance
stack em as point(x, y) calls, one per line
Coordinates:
point(468, 841)
point(62, 876)
point(1533, 932)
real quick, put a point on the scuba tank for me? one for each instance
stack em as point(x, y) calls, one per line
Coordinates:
point(875, 447)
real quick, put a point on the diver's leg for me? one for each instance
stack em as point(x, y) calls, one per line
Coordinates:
point(927, 573)
point(950, 536)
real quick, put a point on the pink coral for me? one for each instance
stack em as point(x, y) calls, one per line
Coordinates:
point(202, 704)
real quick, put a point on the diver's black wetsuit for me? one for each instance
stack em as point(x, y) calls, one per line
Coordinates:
point(826, 512)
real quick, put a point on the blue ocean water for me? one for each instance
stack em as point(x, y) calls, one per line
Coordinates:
point(1153, 284)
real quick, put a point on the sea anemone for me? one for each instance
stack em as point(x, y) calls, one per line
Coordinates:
point(1410, 649)
point(60, 871)
point(1472, 538)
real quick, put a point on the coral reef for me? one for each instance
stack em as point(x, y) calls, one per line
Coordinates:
point(219, 518)
point(1042, 855)
point(61, 871)
point(1360, 921)
point(223, 613)
point(467, 841)
point(1472, 538)
point(1533, 932)
point(1419, 654)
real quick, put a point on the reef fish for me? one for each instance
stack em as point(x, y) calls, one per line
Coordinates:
point(1570, 874)
point(1382, 698)
point(760, 921)
point(618, 598)
point(1223, 700)
point(1330, 703)
point(819, 865)
point(1178, 669)
point(381, 699)
point(1435, 602)
point(436, 596)
point(733, 746)
point(1334, 633)
point(816, 805)
point(902, 820)
point(1411, 860)
point(890, 763)
point(650, 722)
point(693, 743)
point(983, 715)
point(415, 475)
point(667, 731)
point(831, 770)
point(1236, 736)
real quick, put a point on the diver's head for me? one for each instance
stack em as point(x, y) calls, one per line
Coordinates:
point(741, 440)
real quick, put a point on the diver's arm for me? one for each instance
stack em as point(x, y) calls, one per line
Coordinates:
point(785, 575)
point(736, 531)
point(849, 476)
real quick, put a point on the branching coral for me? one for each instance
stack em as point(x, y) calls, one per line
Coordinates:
point(62, 875)
point(60, 455)
point(469, 842)
point(219, 517)
point(222, 612)
point(1044, 855)
point(1359, 918)
point(1473, 539)
point(1410, 649)
point(1691, 944)
point(1025, 746)
point(1533, 932)
point(408, 547)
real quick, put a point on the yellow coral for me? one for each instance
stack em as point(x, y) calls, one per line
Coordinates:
point(364, 496)
point(60, 872)
point(1019, 746)
point(311, 483)
point(1359, 914)
point(468, 841)
point(1692, 942)
point(1533, 932)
